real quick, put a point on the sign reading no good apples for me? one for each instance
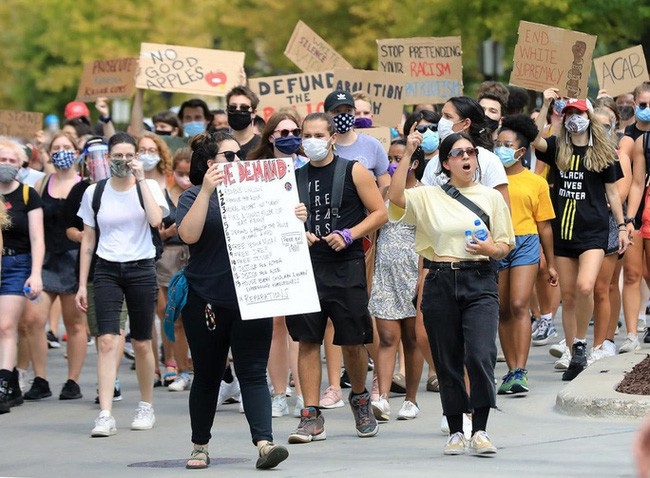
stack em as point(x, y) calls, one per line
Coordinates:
point(184, 69)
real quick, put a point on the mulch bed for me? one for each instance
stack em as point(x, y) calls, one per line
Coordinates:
point(637, 380)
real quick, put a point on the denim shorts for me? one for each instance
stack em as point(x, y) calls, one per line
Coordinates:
point(15, 271)
point(525, 253)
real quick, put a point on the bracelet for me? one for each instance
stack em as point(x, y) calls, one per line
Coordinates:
point(346, 235)
point(621, 225)
point(105, 119)
point(628, 220)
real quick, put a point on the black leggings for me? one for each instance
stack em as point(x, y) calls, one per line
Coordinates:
point(250, 341)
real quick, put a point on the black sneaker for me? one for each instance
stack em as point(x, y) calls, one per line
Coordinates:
point(40, 389)
point(578, 362)
point(345, 380)
point(646, 336)
point(52, 340)
point(5, 406)
point(70, 391)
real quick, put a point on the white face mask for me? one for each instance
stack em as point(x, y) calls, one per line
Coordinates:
point(149, 161)
point(316, 149)
point(445, 128)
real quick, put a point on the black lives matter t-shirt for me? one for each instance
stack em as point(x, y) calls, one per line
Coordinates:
point(579, 199)
point(319, 222)
point(16, 236)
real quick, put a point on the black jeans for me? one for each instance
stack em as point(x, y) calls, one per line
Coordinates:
point(250, 341)
point(461, 314)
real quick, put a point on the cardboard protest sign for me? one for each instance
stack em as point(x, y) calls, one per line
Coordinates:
point(622, 71)
point(20, 124)
point(386, 90)
point(305, 92)
point(433, 67)
point(107, 78)
point(548, 57)
point(380, 133)
point(310, 52)
point(183, 69)
point(266, 242)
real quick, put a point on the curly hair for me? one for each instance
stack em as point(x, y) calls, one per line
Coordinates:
point(164, 166)
point(523, 127)
point(601, 151)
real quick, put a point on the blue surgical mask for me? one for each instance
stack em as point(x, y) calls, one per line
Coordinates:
point(506, 155)
point(194, 127)
point(642, 114)
point(289, 144)
point(430, 141)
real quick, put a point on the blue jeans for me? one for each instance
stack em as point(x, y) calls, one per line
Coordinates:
point(461, 315)
point(250, 341)
point(134, 281)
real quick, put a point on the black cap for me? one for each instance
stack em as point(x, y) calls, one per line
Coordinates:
point(338, 98)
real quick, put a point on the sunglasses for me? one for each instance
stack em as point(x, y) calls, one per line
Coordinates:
point(643, 106)
point(243, 108)
point(230, 155)
point(286, 132)
point(424, 127)
point(459, 152)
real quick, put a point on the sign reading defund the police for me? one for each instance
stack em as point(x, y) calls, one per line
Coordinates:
point(433, 67)
point(268, 250)
point(622, 71)
point(184, 69)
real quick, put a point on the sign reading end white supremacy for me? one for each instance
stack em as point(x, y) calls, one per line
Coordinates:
point(268, 250)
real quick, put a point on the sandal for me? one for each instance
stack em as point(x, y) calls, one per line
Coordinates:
point(198, 454)
point(171, 371)
point(271, 455)
point(432, 384)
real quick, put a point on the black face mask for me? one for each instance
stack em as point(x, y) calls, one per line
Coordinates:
point(491, 124)
point(239, 120)
point(163, 133)
point(626, 111)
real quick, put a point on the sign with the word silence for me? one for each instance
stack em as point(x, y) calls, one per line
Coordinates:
point(622, 71)
point(268, 250)
point(433, 67)
point(108, 79)
point(549, 57)
point(20, 124)
point(310, 52)
point(183, 69)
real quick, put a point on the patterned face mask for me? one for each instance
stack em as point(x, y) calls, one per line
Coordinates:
point(344, 122)
point(63, 159)
point(576, 124)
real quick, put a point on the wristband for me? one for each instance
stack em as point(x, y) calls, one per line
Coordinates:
point(105, 119)
point(621, 225)
point(628, 220)
point(346, 235)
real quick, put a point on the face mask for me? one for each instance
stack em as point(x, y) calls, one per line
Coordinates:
point(149, 161)
point(119, 168)
point(445, 128)
point(506, 155)
point(642, 114)
point(344, 122)
point(62, 159)
point(316, 149)
point(239, 120)
point(289, 144)
point(430, 141)
point(577, 124)
point(491, 124)
point(392, 167)
point(8, 172)
point(182, 181)
point(23, 173)
point(194, 127)
point(626, 111)
point(363, 123)
point(559, 105)
point(163, 133)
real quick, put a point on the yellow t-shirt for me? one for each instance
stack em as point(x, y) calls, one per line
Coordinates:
point(441, 221)
point(530, 202)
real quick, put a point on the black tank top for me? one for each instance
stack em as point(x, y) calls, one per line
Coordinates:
point(55, 223)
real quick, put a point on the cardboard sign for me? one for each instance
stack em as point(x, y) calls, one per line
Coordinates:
point(548, 57)
point(267, 247)
point(20, 124)
point(108, 78)
point(303, 91)
point(380, 133)
point(310, 52)
point(622, 71)
point(433, 67)
point(386, 91)
point(183, 69)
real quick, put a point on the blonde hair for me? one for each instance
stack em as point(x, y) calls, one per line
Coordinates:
point(5, 221)
point(361, 95)
point(16, 148)
point(601, 151)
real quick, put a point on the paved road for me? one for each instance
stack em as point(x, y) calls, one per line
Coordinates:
point(51, 438)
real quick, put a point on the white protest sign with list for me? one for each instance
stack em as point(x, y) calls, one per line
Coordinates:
point(267, 247)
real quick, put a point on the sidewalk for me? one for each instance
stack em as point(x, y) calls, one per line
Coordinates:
point(51, 438)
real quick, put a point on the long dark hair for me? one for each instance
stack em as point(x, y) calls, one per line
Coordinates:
point(470, 108)
point(205, 146)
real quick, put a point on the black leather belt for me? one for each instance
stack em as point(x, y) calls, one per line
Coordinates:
point(458, 265)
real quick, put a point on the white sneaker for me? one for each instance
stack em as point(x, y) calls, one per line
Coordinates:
point(104, 425)
point(609, 348)
point(630, 345)
point(279, 407)
point(467, 426)
point(300, 404)
point(381, 409)
point(408, 411)
point(456, 444)
point(229, 392)
point(563, 362)
point(558, 349)
point(182, 382)
point(641, 324)
point(144, 418)
point(534, 325)
point(596, 353)
point(480, 444)
point(23, 382)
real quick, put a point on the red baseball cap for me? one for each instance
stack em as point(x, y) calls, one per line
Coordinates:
point(75, 109)
point(582, 105)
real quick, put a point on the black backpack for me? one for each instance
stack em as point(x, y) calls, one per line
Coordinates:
point(97, 195)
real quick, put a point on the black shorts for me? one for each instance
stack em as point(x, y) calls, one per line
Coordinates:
point(343, 296)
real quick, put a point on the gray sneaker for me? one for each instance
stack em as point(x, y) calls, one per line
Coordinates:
point(366, 423)
point(310, 428)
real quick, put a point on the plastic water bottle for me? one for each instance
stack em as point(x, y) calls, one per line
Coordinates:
point(27, 291)
point(479, 231)
point(468, 237)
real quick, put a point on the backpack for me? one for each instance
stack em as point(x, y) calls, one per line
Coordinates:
point(176, 300)
point(97, 195)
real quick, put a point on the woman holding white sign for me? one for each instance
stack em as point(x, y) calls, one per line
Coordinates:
point(211, 316)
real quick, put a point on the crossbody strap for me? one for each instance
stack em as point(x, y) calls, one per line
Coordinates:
point(468, 203)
